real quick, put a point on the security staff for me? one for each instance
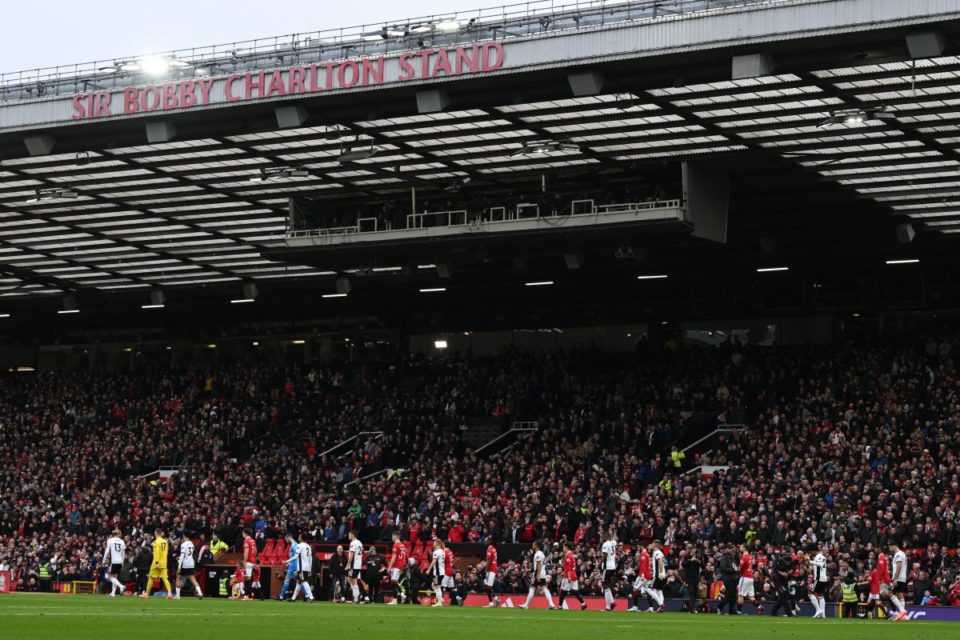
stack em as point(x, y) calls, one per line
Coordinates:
point(848, 595)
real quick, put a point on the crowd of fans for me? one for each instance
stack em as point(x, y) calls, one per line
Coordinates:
point(852, 446)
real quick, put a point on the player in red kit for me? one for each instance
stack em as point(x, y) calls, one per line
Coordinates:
point(398, 560)
point(249, 560)
point(448, 582)
point(491, 577)
point(644, 580)
point(883, 567)
point(745, 590)
point(570, 583)
point(875, 578)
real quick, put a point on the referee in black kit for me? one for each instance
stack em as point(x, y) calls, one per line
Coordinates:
point(690, 573)
point(728, 575)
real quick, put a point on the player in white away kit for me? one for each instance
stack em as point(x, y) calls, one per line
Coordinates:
point(899, 580)
point(437, 571)
point(659, 575)
point(539, 578)
point(821, 584)
point(113, 557)
point(355, 565)
point(186, 567)
point(304, 563)
point(608, 553)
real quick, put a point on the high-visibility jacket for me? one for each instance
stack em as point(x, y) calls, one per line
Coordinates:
point(849, 592)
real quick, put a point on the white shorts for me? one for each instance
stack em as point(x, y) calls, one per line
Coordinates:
point(247, 569)
point(873, 597)
point(640, 583)
point(490, 579)
point(884, 587)
point(447, 582)
point(745, 588)
point(569, 585)
point(395, 575)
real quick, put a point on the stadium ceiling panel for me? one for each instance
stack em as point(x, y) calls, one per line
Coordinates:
point(203, 207)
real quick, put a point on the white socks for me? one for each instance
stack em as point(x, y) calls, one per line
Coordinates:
point(296, 592)
point(307, 591)
point(897, 602)
point(439, 593)
point(530, 597)
point(608, 597)
point(176, 592)
point(657, 596)
point(119, 586)
point(356, 593)
point(546, 593)
point(818, 606)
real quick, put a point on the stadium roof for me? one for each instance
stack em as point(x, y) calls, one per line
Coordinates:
point(854, 114)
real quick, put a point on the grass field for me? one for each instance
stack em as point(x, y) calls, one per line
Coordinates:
point(26, 616)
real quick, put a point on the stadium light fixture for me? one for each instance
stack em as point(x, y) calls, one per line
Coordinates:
point(242, 300)
point(656, 276)
point(211, 346)
point(539, 283)
point(350, 152)
point(66, 311)
point(904, 261)
point(298, 342)
point(53, 193)
point(433, 290)
point(334, 295)
point(269, 173)
point(256, 343)
point(856, 116)
point(543, 147)
point(152, 306)
point(440, 344)
point(772, 269)
point(4, 315)
point(159, 65)
point(447, 26)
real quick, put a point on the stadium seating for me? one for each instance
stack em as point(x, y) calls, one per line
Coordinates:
point(855, 446)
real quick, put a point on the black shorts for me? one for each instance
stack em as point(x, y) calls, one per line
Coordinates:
point(303, 576)
point(899, 587)
point(187, 572)
point(539, 583)
point(609, 577)
point(820, 588)
point(659, 584)
point(356, 574)
point(115, 569)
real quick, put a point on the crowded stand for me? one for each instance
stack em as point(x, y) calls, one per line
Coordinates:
point(845, 453)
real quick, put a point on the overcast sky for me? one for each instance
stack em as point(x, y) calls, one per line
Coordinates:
point(46, 33)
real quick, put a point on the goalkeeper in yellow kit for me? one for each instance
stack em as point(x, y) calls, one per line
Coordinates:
point(158, 570)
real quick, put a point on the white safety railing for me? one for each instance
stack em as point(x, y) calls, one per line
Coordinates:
point(373, 475)
point(163, 472)
point(376, 434)
point(522, 212)
point(726, 428)
point(520, 429)
point(457, 218)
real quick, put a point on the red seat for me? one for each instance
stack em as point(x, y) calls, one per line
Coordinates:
point(266, 556)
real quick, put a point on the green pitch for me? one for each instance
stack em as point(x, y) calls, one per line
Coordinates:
point(43, 617)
